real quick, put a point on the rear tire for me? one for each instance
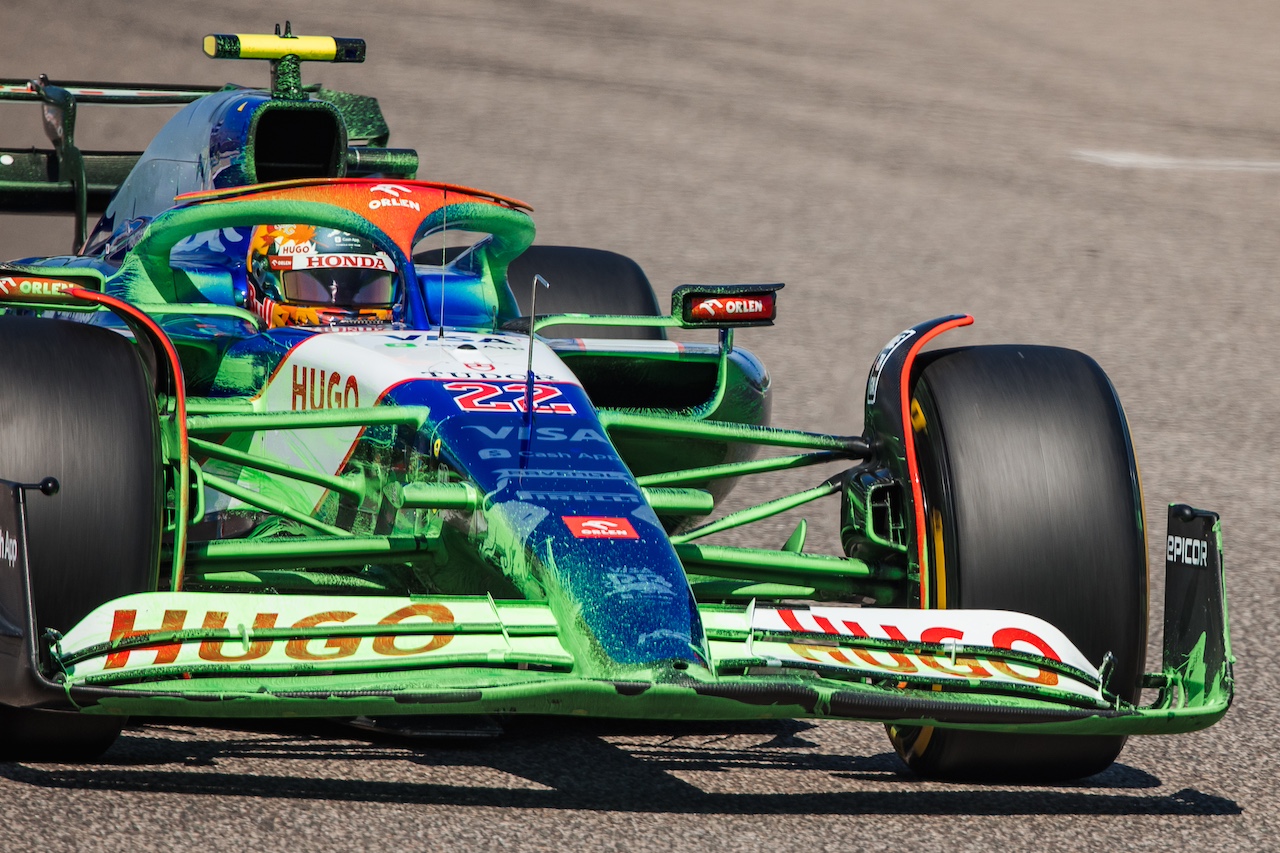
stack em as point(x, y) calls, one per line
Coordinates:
point(1032, 504)
point(586, 281)
point(78, 406)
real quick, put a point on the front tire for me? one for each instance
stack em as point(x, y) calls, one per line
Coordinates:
point(1032, 504)
point(78, 406)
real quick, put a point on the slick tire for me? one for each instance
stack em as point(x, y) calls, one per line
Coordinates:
point(78, 406)
point(1032, 504)
point(586, 281)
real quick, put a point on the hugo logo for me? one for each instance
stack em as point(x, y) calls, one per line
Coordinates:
point(907, 661)
point(315, 649)
point(314, 389)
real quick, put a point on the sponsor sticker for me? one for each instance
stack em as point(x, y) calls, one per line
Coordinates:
point(467, 374)
point(393, 190)
point(125, 624)
point(560, 474)
point(598, 527)
point(509, 397)
point(332, 261)
point(392, 197)
point(540, 495)
point(972, 636)
point(639, 582)
point(874, 380)
point(430, 340)
point(541, 433)
point(289, 239)
point(320, 389)
point(47, 287)
point(1188, 551)
point(235, 624)
point(742, 308)
point(8, 548)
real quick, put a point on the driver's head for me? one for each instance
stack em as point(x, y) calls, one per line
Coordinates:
point(301, 275)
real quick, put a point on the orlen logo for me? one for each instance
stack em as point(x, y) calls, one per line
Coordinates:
point(1188, 551)
point(394, 191)
point(732, 307)
point(593, 527)
point(8, 548)
point(33, 287)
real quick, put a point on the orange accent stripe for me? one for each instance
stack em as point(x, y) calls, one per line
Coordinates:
point(908, 435)
point(254, 189)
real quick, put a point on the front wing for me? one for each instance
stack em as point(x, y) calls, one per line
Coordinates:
point(195, 654)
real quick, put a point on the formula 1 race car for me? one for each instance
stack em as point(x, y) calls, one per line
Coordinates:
point(284, 438)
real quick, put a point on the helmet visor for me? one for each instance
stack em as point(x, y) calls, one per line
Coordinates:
point(338, 287)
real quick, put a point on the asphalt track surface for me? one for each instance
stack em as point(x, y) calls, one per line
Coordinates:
point(890, 162)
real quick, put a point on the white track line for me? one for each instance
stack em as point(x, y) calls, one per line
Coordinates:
point(1135, 160)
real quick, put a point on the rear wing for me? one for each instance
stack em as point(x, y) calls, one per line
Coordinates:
point(66, 180)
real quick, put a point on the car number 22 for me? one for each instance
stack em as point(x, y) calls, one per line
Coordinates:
point(507, 397)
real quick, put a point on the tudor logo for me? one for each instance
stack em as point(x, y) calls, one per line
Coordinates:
point(593, 527)
point(394, 191)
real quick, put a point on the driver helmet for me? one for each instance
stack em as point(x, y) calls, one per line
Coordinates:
point(303, 275)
